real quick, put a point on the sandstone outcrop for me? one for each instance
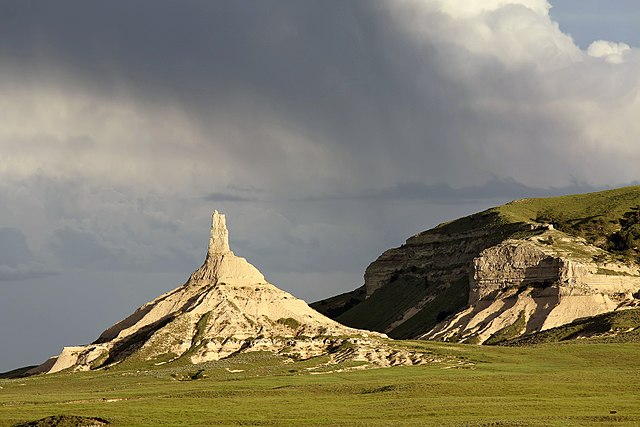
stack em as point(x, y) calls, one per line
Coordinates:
point(410, 288)
point(226, 307)
point(527, 285)
point(513, 269)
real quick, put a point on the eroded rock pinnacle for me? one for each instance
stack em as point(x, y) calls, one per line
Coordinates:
point(219, 241)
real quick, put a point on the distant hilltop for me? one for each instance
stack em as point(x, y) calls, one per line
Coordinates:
point(527, 266)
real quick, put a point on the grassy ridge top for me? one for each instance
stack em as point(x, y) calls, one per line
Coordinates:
point(609, 205)
point(608, 219)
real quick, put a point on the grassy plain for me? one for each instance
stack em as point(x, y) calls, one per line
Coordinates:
point(559, 384)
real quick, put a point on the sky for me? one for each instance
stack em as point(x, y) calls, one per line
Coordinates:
point(327, 131)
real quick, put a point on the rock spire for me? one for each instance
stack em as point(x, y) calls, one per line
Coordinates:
point(219, 241)
point(226, 307)
point(222, 266)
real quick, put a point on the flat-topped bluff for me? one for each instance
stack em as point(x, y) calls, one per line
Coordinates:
point(526, 266)
point(226, 307)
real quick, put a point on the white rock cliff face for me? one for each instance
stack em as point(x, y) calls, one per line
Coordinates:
point(434, 265)
point(225, 307)
point(522, 286)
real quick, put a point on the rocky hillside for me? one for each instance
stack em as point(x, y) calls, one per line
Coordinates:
point(226, 307)
point(526, 266)
point(620, 326)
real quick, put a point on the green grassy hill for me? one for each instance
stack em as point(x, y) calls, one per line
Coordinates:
point(609, 219)
point(428, 276)
point(593, 216)
point(610, 205)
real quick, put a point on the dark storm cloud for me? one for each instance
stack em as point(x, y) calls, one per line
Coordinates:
point(24, 272)
point(302, 96)
point(13, 247)
point(81, 249)
point(493, 189)
point(17, 261)
point(85, 250)
point(197, 50)
point(296, 101)
point(356, 101)
point(229, 197)
point(339, 71)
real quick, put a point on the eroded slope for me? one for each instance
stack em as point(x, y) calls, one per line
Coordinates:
point(545, 261)
point(226, 307)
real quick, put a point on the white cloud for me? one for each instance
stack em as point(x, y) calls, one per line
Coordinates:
point(70, 133)
point(514, 32)
point(611, 52)
point(465, 8)
point(540, 110)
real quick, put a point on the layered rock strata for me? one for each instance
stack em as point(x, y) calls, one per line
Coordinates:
point(475, 280)
point(527, 285)
point(459, 280)
point(408, 289)
point(226, 307)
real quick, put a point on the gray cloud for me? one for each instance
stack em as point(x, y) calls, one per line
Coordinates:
point(81, 249)
point(327, 130)
point(233, 195)
point(17, 261)
point(494, 189)
point(273, 103)
point(304, 97)
point(19, 272)
point(85, 250)
point(13, 247)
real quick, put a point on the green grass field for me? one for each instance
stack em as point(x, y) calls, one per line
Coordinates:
point(565, 384)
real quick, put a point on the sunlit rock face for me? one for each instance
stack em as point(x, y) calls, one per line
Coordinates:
point(480, 280)
point(527, 285)
point(225, 307)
